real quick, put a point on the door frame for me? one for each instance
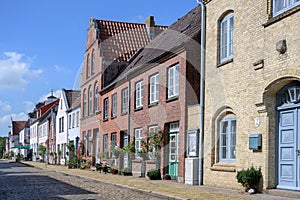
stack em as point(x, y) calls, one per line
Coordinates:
point(280, 107)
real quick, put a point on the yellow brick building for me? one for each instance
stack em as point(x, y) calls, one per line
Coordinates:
point(252, 89)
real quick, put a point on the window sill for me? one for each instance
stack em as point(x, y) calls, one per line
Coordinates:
point(125, 113)
point(225, 62)
point(105, 120)
point(98, 112)
point(224, 167)
point(281, 16)
point(136, 160)
point(153, 104)
point(138, 109)
point(113, 117)
point(150, 161)
point(172, 99)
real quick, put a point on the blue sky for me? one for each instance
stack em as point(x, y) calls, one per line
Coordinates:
point(42, 44)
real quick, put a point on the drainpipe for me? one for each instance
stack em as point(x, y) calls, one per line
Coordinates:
point(202, 89)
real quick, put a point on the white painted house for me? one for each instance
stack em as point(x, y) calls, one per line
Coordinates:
point(74, 118)
point(66, 122)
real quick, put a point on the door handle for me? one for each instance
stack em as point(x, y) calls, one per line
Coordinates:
point(298, 152)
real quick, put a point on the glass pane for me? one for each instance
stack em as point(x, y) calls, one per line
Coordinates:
point(223, 152)
point(224, 126)
point(223, 140)
point(233, 152)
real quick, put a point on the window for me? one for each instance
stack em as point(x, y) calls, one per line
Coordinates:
point(90, 140)
point(61, 124)
point(77, 118)
point(138, 133)
point(227, 140)
point(105, 113)
point(90, 100)
point(114, 138)
point(84, 143)
point(151, 130)
point(88, 72)
point(154, 84)
point(280, 6)
point(125, 100)
point(114, 105)
point(84, 103)
point(105, 143)
point(96, 98)
point(93, 63)
point(226, 38)
point(73, 120)
point(139, 94)
point(70, 121)
point(173, 81)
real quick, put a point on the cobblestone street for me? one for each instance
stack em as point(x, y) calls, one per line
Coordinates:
point(18, 181)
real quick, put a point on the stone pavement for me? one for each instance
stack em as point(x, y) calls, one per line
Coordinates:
point(170, 189)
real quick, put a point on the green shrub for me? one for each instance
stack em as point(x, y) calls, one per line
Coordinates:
point(154, 174)
point(126, 171)
point(249, 178)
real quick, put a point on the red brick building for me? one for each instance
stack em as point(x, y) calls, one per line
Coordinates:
point(109, 47)
point(153, 92)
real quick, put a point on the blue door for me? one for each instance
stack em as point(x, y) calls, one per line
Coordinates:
point(289, 149)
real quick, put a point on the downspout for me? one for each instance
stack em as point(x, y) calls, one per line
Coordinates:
point(202, 89)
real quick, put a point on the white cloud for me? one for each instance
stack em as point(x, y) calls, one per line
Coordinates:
point(5, 121)
point(29, 106)
point(15, 72)
point(59, 68)
point(4, 106)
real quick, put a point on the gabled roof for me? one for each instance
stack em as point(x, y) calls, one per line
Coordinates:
point(185, 29)
point(18, 126)
point(120, 40)
point(72, 96)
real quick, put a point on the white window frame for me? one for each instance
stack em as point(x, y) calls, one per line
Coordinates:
point(90, 103)
point(281, 6)
point(114, 105)
point(152, 129)
point(138, 137)
point(125, 100)
point(173, 81)
point(139, 94)
point(105, 143)
point(70, 121)
point(228, 146)
point(226, 37)
point(154, 87)
point(96, 98)
point(105, 109)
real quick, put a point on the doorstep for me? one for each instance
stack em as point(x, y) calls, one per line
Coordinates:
point(283, 193)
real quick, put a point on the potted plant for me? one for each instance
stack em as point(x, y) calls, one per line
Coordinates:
point(250, 179)
point(126, 171)
point(114, 170)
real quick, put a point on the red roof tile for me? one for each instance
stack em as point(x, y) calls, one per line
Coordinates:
point(18, 126)
point(120, 40)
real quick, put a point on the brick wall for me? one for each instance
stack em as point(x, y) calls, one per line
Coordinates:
point(245, 87)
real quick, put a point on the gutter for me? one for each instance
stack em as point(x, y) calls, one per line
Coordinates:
point(202, 89)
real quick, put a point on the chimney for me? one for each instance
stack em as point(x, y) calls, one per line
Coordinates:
point(150, 24)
